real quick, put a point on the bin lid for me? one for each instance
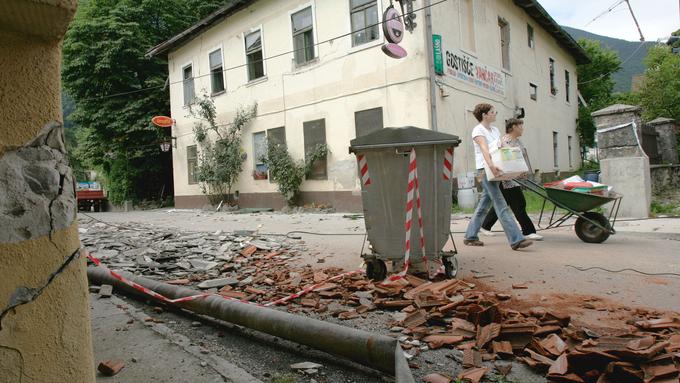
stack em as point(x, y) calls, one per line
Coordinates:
point(404, 136)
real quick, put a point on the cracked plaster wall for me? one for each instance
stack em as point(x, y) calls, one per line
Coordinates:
point(37, 187)
point(47, 340)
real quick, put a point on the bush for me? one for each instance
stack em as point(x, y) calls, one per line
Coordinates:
point(287, 173)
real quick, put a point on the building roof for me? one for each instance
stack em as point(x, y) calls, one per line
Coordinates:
point(404, 136)
point(564, 39)
point(194, 30)
point(661, 121)
point(616, 108)
point(531, 7)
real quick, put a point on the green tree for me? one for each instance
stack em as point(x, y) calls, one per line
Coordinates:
point(104, 55)
point(660, 93)
point(220, 160)
point(595, 85)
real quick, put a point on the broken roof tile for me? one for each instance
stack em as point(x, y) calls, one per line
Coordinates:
point(415, 319)
point(473, 375)
point(471, 358)
point(436, 378)
point(438, 340)
point(502, 348)
point(559, 367)
point(554, 345)
point(487, 333)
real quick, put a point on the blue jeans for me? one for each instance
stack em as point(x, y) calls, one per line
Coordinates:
point(491, 195)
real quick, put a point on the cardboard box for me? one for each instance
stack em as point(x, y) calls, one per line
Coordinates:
point(509, 160)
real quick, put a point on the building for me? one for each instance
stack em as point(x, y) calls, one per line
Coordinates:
point(318, 74)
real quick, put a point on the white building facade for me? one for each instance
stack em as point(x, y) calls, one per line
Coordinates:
point(316, 70)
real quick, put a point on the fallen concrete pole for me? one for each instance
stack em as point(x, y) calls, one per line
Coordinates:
point(375, 351)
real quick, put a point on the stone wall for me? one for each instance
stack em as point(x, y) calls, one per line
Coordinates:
point(665, 177)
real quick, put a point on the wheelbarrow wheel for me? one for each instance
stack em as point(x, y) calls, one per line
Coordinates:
point(589, 232)
point(450, 267)
point(376, 270)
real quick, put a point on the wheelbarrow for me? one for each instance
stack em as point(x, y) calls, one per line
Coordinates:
point(590, 226)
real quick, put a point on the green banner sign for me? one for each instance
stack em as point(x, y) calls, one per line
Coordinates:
point(437, 52)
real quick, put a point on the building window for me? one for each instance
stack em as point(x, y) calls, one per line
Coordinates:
point(277, 136)
point(566, 84)
point(216, 71)
point(303, 35)
point(368, 121)
point(188, 83)
point(556, 162)
point(569, 148)
point(530, 36)
point(259, 151)
point(467, 24)
point(553, 88)
point(505, 42)
point(192, 164)
point(364, 19)
point(260, 142)
point(314, 135)
point(533, 91)
point(254, 55)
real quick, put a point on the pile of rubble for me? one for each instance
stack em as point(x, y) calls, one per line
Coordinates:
point(428, 315)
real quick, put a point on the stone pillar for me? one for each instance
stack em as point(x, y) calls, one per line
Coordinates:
point(668, 142)
point(623, 163)
point(44, 310)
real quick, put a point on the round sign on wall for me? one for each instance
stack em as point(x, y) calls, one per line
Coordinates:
point(163, 121)
point(394, 50)
point(393, 27)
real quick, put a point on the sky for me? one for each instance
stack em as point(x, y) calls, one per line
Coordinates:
point(657, 18)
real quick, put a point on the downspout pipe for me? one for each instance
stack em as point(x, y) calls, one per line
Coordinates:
point(379, 352)
point(430, 64)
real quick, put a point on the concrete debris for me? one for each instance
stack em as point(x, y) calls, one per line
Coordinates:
point(215, 283)
point(110, 367)
point(306, 366)
point(105, 291)
point(479, 326)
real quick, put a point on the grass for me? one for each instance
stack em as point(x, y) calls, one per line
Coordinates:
point(660, 208)
point(666, 202)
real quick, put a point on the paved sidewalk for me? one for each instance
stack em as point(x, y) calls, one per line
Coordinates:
point(151, 351)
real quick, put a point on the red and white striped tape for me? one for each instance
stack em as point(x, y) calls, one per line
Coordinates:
point(363, 169)
point(165, 299)
point(412, 190)
point(448, 163)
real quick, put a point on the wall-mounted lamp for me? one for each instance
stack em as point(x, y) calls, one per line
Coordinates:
point(166, 145)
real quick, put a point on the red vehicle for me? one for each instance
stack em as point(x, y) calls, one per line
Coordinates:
point(91, 196)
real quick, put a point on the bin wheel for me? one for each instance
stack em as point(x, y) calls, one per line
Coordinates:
point(450, 267)
point(590, 233)
point(376, 270)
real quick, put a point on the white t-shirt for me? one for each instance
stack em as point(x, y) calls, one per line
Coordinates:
point(492, 138)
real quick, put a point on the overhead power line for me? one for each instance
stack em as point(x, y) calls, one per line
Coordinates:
point(168, 83)
point(611, 8)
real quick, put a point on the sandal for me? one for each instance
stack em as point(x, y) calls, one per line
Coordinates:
point(473, 242)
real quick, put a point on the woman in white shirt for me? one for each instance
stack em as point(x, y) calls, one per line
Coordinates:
point(485, 136)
